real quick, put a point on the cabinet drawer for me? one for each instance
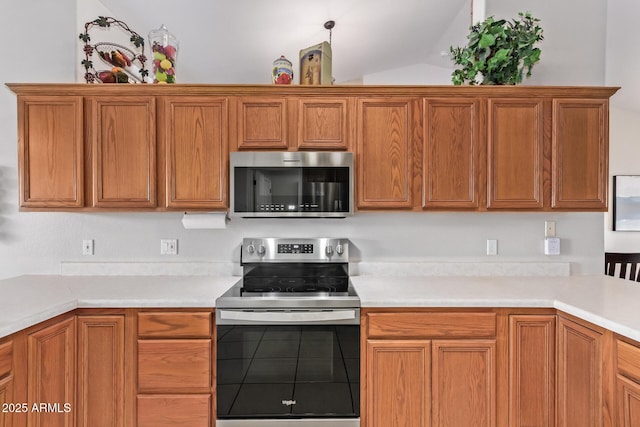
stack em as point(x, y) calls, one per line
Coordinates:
point(175, 325)
point(628, 359)
point(6, 355)
point(431, 325)
point(171, 410)
point(174, 365)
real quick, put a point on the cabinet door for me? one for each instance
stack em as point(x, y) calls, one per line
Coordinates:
point(628, 402)
point(262, 123)
point(580, 154)
point(124, 152)
point(384, 154)
point(196, 152)
point(515, 154)
point(451, 153)
point(323, 124)
point(397, 383)
point(51, 368)
point(100, 371)
point(579, 400)
point(50, 151)
point(464, 383)
point(531, 370)
point(6, 397)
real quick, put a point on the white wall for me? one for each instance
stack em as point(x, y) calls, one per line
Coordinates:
point(38, 242)
point(622, 66)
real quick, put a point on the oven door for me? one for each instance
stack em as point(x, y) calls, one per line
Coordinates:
point(288, 368)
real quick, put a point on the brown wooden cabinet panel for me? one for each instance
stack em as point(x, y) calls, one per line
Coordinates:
point(51, 367)
point(196, 152)
point(124, 152)
point(398, 387)
point(174, 365)
point(580, 154)
point(384, 155)
point(174, 325)
point(532, 370)
point(50, 151)
point(451, 153)
point(464, 383)
point(262, 123)
point(6, 358)
point(100, 371)
point(431, 325)
point(628, 402)
point(6, 397)
point(515, 154)
point(174, 410)
point(323, 124)
point(579, 380)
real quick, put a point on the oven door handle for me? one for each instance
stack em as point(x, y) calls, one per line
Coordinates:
point(289, 316)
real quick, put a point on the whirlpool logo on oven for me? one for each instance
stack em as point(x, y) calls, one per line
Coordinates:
point(288, 402)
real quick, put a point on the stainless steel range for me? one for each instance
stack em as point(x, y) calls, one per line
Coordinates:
point(288, 337)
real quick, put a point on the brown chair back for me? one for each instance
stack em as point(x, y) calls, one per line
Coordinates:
point(629, 263)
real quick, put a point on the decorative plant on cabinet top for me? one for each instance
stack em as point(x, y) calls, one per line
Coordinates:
point(498, 51)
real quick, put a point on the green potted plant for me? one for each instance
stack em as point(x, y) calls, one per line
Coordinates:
point(498, 51)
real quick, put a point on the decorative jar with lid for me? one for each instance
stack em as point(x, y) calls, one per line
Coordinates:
point(164, 51)
point(282, 73)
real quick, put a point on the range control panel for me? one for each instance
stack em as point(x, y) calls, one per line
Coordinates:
point(272, 249)
point(295, 248)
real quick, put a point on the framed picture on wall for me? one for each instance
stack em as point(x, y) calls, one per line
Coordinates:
point(626, 203)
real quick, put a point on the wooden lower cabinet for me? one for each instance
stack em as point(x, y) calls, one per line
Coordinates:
point(532, 370)
point(580, 375)
point(6, 398)
point(51, 375)
point(100, 371)
point(174, 410)
point(398, 391)
point(175, 369)
point(464, 383)
point(628, 396)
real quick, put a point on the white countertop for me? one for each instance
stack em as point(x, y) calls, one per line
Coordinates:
point(605, 301)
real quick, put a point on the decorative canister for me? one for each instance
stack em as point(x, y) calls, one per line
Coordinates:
point(164, 49)
point(282, 73)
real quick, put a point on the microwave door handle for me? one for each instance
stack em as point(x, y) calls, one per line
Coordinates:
point(288, 316)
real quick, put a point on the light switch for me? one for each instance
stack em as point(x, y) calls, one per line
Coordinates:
point(549, 229)
point(552, 246)
point(168, 247)
point(87, 247)
point(492, 247)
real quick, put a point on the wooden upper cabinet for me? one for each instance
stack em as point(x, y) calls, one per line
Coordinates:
point(196, 152)
point(124, 151)
point(50, 151)
point(384, 154)
point(515, 154)
point(323, 124)
point(580, 154)
point(451, 153)
point(262, 123)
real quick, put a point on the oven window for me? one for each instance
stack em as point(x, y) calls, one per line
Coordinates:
point(287, 189)
point(288, 371)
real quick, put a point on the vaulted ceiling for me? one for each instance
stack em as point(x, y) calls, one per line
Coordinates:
point(236, 41)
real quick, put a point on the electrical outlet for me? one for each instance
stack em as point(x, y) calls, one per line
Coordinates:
point(168, 247)
point(492, 247)
point(552, 246)
point(87, 247)
point(549, 229)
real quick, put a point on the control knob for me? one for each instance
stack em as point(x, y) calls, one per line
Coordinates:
point(329, 250)
point(251, 248)
point(261, 250)
point(339, 249)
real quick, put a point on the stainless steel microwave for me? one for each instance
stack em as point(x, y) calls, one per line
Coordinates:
point(291, 184)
